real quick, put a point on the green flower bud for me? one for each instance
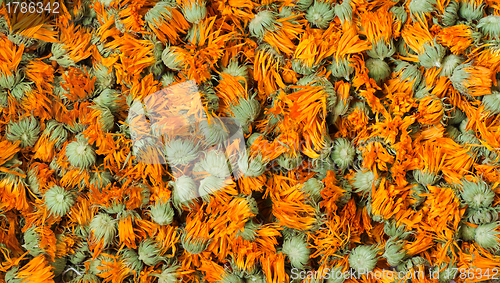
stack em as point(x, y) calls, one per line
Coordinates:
point(381, 50)
point(159, 14)
point(425, 178)
point(490, 26)
point(106, 77)
point(184, 191)
point(215, 163)
point(58, 265)
point(110, 98)
point(394, 252)
point(60, 55)
point(32, 242)
point(25, 130)
point(491, 102)
point(344, 11)
point(302, 5)
point(194, 245)
point(313, 188)
point(410, 72)
point(195, 11)
point(215, 132)
point(450, 62)
point(297, 251)
point(363, 258)
point(235, 70)
point(432, 55)
point(399, 13)
point(168, 275)
point(397, 232)
point(81, 253)
point(466, 232)
point(245, 112)
point(86, 278)
point(364, 181)
point(210, 185)
point(80, 154)
point(168, 79)
point(249, 232)
point(378, 69)
point(482, 215)
point(471, 11)
point(418, 8)
point(457, 116)
point(452, 132)
point(450, 15)
point(343, 153)
point(20, 90)
point(263, 22)
point(288, 162)
point(416, 193)
point(341, 68)
point(478, 194)
point(104, 228)
point(172, 57)
point(162, 212)
point(149, 252)
point(181, 152)
point(320, 14)
point(487, 236)
point(131, 260)
point(58, 201)
point(251, 168)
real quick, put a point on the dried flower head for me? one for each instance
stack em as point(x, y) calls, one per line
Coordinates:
point(343, 153)
point(194, 245)
point(491, 102)
point(161, 212)
point(320, 14)
point(245, 112)
point(364, 181)
point(341, 68)
point(215, 163)
point(471, 10)
point(297, 251)
point(490, 26)
point(194, 11)
point(432, 54)
point(150, 252)
point(58, 200)
point(488, 237)
point(25, 130)
point(80, 153)
point(168, 275)
point(344, 11)
point(131, 260)
point(477, 194)
point(378, 69)
point(418, 8)
point(363, 258)
point(263, 22)
point(104, 228)
point(184, 191)
point(181, 152)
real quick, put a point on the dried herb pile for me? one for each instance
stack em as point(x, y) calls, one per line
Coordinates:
point(246, 141)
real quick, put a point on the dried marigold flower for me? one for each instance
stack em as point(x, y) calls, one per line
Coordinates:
point(418, 8)
point(490, 26)
point(263, 22)
point(341, 68)
point(181, 152)
point(471, 10)
point(394, 252)
point(491, 102)
point(25, 130)
point(343, 153)
point(194, 11)
point(378, 69)
point(320, 14)
point(149, 252)
point(488, 237)
point(297, 251)
point(168, 274)
point(364, 181)
point(80, 154)
point(161, 212)
point(32, 242)
point(478, 194)
point(194, 245)
point(215, 163)
point(467, 232)
point(363, 258)
point(245, 112)
point(58, 201)
point(104, 228)
point(254, 167)
point(432, 54)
